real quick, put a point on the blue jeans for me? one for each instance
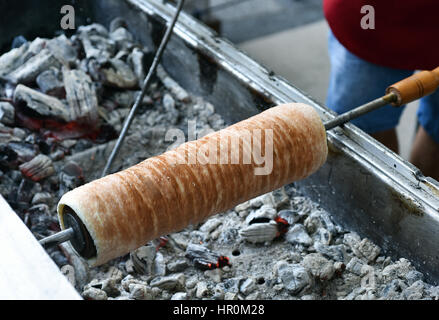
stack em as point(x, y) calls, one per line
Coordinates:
point(354, 81)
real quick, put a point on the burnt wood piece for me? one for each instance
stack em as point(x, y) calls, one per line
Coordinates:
point(7, 113)
point(29, 71)
point(118, 74)
point(123, 38)
point(50, 83)
point(136, 60)
point(81, 96)
point(205, 259)
point(96, 43)
point(41, 103)
point(38, 168)
point(172, 85)
point(62, 48)
point(14, 58)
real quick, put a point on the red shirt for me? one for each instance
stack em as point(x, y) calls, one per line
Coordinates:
point(406, 34)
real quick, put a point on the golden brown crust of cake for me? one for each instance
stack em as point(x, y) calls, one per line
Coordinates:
point(125, 210)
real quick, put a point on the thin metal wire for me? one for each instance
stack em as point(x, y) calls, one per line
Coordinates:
point(145, 85)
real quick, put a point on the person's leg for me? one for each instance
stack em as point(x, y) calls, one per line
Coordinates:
point(425, 150)
point(389, 138)
point(353, 82)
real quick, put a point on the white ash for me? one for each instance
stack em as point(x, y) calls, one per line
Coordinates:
point(313, 259)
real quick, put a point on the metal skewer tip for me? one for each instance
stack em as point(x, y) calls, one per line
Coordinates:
point(60, 237)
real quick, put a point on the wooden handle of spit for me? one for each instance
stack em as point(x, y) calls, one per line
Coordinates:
point(166, 193)
point(415, 87)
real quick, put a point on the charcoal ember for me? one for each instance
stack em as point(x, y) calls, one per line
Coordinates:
point(298, 235)
point(81, 269)
point(34, 48)
point(334, 252)
point(294, 277)
point(263, 214)
point(7, 137)
point(122, 99)
point(38, 168)
point(143, 259)
point(106, 133)
point(280, 199)
point(204, 259)
point(40, 219)
point(70, 177)
point(123, 38)
point(93, 29)
point(290, 216)
point(29, 71)
point(46, 145)
point(57, 155)
point(140, 62)
point(96, 43)
point(81, 96)
point(177, 266)
point(122, 55)
point(25, 192)
point(18, 41)
point(69, 272)
point(5, 129)
point(14, 58)
point(126, 99)
point(62, 48)
point(107, 285)
point(366, 250)
point(41, 104)
point(7, 113)
point(57, 257)
point(14, 153)
point(19, 133)
point(42, 197)
point(92, 68)
point(81, 145)
point(15, 175)
point(116, 23)
point(116, 118)
point(260, 232)
point(171, 113)
point(94, 294)
point(25, 151)
point(117, 73)
point(216, 122)
point(318, 266)
point(50, 83)
point(172, 85)
point(172, 282)
point(68, 144)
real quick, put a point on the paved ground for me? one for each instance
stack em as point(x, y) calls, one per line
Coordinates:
point(242, 20)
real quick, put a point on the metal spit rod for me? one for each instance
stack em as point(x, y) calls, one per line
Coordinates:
point(145, 85)
point(58, 238)
point(68, 234)
point(361, 110)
